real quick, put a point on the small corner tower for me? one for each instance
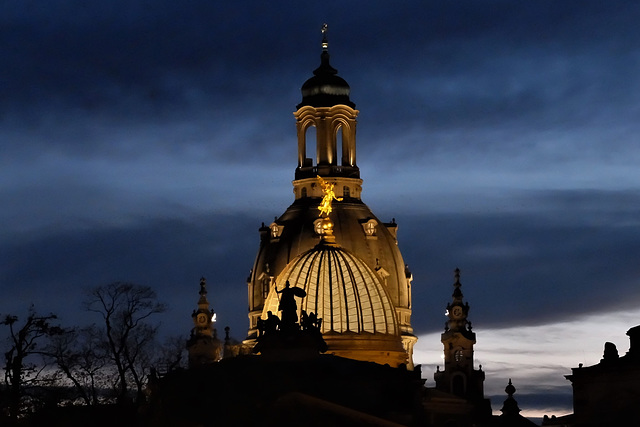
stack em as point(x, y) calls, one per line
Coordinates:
point(203, 346)
point(511, 412)
point(510, 406)
point(459, 376)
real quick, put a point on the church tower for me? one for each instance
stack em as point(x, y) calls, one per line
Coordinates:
point(459, 376)
point(326, 149)
point(203, 345)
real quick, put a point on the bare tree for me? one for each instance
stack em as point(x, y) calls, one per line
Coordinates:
point(25, 342)
point(125, 309)
point(83, 360)
point(171, 355)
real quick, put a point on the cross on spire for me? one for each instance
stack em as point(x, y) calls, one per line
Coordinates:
point(325, 30)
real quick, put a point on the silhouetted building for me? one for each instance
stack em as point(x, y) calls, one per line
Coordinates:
point(510, 416)
point(606, 394)
point(458, 398)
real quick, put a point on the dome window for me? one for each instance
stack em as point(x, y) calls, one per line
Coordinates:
point(370, 228)
point(317, 227)
point(276, 230)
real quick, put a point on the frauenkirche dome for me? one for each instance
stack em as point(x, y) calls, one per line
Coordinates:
point(359, 286)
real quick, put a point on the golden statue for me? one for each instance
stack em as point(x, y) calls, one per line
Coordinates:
point(328, 196)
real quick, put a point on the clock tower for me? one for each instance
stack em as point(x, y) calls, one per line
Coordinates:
point(203, 346)
point(459, 376)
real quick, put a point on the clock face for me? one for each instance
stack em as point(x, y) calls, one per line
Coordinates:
point(456, 312)
point(202, 318)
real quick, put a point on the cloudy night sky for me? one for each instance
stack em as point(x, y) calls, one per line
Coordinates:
point(146, 141)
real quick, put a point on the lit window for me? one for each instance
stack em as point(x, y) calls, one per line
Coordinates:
point(276, 230)
point(370, 228)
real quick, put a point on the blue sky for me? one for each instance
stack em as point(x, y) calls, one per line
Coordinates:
point(146, 141)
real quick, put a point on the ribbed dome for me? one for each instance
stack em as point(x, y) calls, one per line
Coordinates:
point(341, 289)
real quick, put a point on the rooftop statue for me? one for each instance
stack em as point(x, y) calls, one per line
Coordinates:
point(288, 305)
point(328, 196)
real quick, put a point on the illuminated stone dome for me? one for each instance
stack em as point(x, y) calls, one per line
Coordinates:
point(341, 289)
point(358, 317)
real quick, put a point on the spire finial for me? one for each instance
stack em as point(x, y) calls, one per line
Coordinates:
point(457, 293)
point(325, 42)
point(510, 389)
point(325, 69)
point(203, 286)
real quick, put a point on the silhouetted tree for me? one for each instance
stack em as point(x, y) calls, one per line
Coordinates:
point(83, 360)
point(25, 341)
point(125, 309)
point(171, 354)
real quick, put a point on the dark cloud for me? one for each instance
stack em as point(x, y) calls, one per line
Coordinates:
point(144, 59)
point(516, 265)
point(103, 54)
point(534, 266)
point(199, 75)
point(169, 255)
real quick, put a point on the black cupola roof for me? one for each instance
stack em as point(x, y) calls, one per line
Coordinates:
point(325, 88)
